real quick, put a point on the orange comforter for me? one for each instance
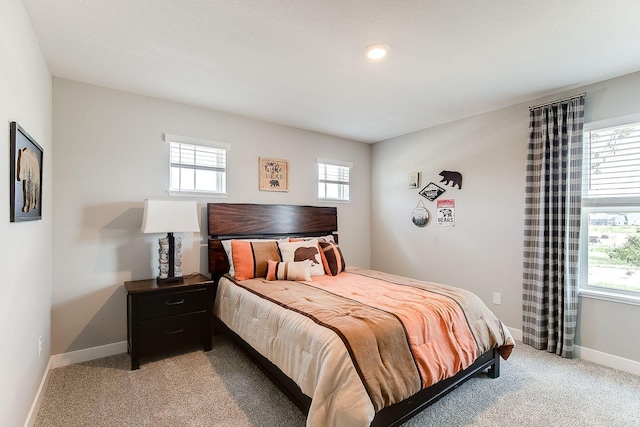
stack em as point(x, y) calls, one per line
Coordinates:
point(402, 334)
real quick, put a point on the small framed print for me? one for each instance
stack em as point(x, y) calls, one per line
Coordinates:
point(414, 180)
point(431, 191)
point(25, 175)
point(274, 174)
point(446, 213)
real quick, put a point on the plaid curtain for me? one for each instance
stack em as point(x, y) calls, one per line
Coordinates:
point(552, 226)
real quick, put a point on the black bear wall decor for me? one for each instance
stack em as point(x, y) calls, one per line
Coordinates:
point(455, 178)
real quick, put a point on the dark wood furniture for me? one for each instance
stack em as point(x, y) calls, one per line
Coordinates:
point(259, 221)
point(245, 220)
point(166, 317)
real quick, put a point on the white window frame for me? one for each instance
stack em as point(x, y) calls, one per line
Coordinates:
point(170, 138)
point(344, 184)
point(603, 204)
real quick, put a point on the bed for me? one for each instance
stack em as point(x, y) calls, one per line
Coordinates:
point(338, 350)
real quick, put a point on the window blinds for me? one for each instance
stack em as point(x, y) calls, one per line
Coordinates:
point(612, 162)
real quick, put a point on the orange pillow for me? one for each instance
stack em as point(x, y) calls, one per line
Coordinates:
point(288, 270)
point(250, 258)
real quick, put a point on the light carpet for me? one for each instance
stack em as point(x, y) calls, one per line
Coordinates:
point(223, 388)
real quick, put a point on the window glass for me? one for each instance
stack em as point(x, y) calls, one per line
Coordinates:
point(613, 249)
point(333, 180)
point(197, 168)
point(610, 232)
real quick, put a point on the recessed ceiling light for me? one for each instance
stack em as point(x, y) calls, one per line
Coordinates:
point(376, 51)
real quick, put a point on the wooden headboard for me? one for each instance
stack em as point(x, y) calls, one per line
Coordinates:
point(246, 220)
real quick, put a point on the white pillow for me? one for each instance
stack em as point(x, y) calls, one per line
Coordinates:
point(301, 251)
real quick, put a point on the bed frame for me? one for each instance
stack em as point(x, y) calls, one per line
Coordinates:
point(243, 220)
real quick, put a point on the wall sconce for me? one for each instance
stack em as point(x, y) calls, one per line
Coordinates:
point(169, 216)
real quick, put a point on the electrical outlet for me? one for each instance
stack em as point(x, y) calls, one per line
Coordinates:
point(497, 298)
point(40, 346)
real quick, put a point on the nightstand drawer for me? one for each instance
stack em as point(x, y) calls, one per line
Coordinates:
point(172, 332)
point(171, 304)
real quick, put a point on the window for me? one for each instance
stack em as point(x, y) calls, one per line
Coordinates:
point(333, 180)
point(196, 165)
point(610, 234)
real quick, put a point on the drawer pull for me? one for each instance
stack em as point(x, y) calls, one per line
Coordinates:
point(177, 331)
point(175, 302)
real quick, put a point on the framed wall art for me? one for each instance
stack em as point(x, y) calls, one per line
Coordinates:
point(414, 179)
point(431, 191)
point(420, 215)
point(446, 213)
point(25, 175)
point(274, 174)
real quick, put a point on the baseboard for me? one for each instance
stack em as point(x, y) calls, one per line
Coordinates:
point(606, 359)
point(79, 356)
point(516, 333)
point(92, 353)
point(65, 359)
point(595, 356)
point(35, 406)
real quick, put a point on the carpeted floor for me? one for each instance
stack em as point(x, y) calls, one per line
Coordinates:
point(223, 388)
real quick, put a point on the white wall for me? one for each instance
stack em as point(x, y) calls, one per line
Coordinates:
point(25, 291)
point(110, 156)
point(483, 252)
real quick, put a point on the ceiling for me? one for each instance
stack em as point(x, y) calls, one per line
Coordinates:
point(300, 62)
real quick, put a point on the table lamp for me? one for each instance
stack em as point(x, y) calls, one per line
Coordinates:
point(170, 216)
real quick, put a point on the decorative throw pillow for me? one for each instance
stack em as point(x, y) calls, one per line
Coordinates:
point(226, 245)
point(289, 270)
point(328, 238)
point(250, 258)
point(301, 251)
point(332, 258)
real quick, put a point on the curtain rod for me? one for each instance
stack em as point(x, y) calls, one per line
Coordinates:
point(580, 95)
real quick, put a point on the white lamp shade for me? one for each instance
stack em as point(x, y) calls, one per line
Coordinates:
point(170, 216)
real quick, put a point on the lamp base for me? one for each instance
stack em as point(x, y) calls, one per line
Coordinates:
point(170, 262)
point(170, 280)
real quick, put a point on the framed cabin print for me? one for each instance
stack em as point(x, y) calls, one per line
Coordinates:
point(431, 191)
point(25, 175)
point(274, 174)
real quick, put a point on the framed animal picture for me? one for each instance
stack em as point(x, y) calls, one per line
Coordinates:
point(25, 175)
point(274, 174)
point(414, 179)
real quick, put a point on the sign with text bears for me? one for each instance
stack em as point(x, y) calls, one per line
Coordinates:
point(446, 213)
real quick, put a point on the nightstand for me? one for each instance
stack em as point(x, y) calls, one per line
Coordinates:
point(166, 317)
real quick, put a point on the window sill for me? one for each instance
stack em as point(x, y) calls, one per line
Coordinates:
point(197, 194)
point(610, 296)
point(333, 201)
